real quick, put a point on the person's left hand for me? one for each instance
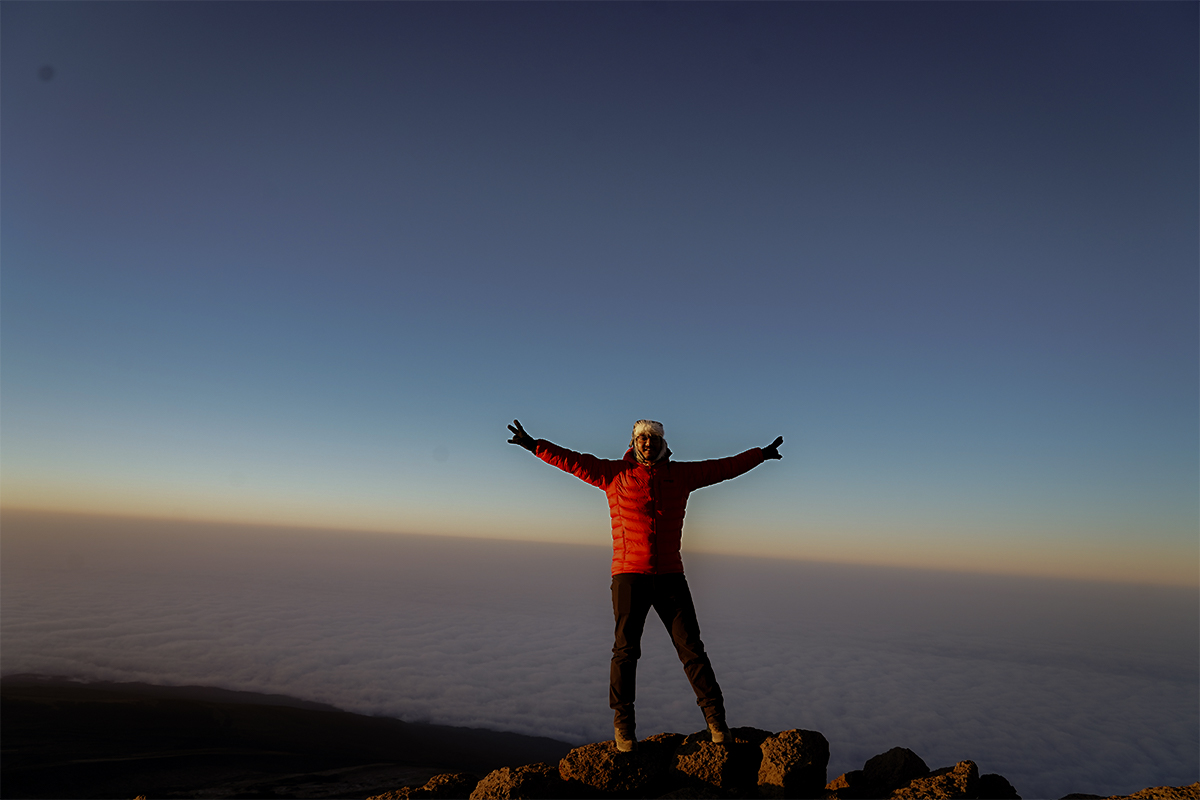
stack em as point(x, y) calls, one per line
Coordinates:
point(772, 450)
point(520, 437)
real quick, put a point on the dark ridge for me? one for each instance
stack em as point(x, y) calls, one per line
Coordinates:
point(64, 738)
point(209, 694)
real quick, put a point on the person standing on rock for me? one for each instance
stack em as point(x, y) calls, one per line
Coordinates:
point(647, 494)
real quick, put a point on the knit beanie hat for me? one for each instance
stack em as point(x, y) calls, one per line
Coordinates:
point(652, 428)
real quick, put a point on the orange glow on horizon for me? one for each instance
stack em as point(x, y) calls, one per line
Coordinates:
point(1115, 561)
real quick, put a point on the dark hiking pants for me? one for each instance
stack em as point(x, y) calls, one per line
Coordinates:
point(633, 596)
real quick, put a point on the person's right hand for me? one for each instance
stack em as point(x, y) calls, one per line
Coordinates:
point(772, 450)
point(521, 437)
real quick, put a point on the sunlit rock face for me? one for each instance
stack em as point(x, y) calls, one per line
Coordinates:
point(601, 768)
point(532, 780)
point(793, 764)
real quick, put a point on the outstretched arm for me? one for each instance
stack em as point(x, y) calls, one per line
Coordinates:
point(698, 474)
point(521, 437)
point(772, 450)
point(595, 471)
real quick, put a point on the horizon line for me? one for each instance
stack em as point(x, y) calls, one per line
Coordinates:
point(706, 551)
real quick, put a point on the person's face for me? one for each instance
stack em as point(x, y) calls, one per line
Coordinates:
point(647, 445)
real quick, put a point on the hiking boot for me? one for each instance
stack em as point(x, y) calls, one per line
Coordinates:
point(625, 739)
point(715, 717)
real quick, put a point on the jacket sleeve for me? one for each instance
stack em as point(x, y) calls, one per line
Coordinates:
point(589, 468)
point(699, 474)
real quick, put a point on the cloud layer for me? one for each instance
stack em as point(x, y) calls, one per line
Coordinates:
point(1060, 687)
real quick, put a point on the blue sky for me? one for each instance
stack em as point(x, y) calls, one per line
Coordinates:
point(301, 263)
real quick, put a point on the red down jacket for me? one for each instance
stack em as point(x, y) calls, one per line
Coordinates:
point(647, 502)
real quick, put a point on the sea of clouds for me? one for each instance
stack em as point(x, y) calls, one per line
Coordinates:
point(1059, 686)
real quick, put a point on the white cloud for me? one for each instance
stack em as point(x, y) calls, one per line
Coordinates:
point(1059, 687)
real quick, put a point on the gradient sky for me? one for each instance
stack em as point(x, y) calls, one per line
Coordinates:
point(302, 263)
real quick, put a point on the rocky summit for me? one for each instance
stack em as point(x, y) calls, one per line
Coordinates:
point(751, 763)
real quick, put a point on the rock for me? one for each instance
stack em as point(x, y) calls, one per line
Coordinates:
point(1191, 792)
point(731, 767)
point(698, 760)
point(532, 782)
point(887, 772)
point(842, 785)
point(395, 794)
point(996, 787)
point(449, 786)
point(752, 763)
point(603, 769)
point(793, 764)
point(959, 781)
point(667, 742)
point(754, 736)
point(880, 776)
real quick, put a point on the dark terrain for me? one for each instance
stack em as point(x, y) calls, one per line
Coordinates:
point(98, 740)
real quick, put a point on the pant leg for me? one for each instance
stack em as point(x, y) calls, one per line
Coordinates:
point(632, 596)
point(673, 603)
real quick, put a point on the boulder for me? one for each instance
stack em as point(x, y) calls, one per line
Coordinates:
point(887, 772)
point(792, 764)
point(898, 769)
point(996, 787)
point(449, 786)
point(731, 767)
point(394, 794)
point(959, 781)
point(604, 770)
point(880, 776)
point(531, 782)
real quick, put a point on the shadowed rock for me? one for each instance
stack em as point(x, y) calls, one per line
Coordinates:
point(532, 782)
point(996, 787)
point(880, 776)
point(754, 736)
point(793, 764)
point(948, 783)
point(887, 772)
point(601, 768)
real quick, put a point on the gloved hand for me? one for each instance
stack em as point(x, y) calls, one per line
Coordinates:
point(772, 450)
point(524, 439)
